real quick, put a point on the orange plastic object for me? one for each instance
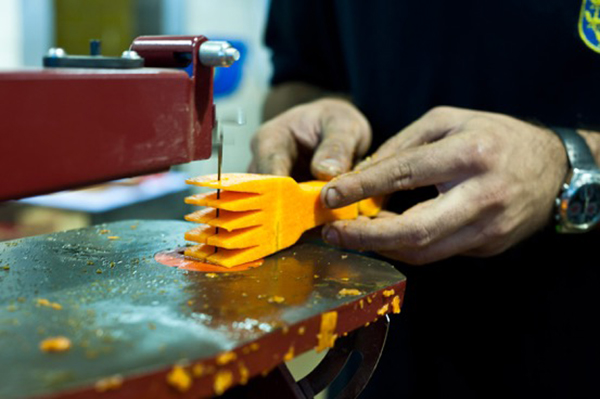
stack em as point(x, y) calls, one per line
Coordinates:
point(371, 206)
point(258, 215)
point(176, 259)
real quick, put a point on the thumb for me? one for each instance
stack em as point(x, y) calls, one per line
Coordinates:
point(345, 136)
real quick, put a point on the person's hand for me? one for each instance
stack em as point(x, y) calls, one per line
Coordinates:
point(497, 179)
point(330, 131)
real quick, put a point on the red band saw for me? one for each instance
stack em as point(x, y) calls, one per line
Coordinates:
point(90, 312)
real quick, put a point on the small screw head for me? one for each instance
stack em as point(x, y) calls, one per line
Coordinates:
point(56, 52)
point(130, 55)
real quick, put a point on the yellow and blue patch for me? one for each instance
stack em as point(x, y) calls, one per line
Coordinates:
point(589, 24)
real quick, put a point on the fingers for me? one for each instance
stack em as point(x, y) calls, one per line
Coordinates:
point(432, 126)
point(334, 156)
point(386, 214)
point(459, 243)
point(346, 135)
point(252, 167)
point(333, 128)
point(274, 150)
point(418, 228)
point(422, 166)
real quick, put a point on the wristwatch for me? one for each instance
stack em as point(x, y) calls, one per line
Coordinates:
point(578, 204)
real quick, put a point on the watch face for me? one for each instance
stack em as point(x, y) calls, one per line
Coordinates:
point(584, 205)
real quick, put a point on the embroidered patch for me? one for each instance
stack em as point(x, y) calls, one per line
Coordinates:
point(589, 24)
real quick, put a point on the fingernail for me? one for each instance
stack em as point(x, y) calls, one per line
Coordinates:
point(331, 166)
point(332, 197)
point(332, 236)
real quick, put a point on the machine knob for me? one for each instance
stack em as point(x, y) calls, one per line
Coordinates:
point(95, 47)
point(218, 54)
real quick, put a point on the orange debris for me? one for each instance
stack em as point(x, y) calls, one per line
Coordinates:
point(326, 337)
point(289, 354)
point(55, 344)
point(396, 304)
point(179, 378)
point(383, 310)
point(244, 373)
point(109, 383)
point(223, 381)
point(226, 357)
point(349, 292)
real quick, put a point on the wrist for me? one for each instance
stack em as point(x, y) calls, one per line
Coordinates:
point(290, 94)
point(560, 159)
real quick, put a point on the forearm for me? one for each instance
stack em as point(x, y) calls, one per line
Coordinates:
point(287, 95)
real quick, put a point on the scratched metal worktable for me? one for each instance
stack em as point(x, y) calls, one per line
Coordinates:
point(132, 317)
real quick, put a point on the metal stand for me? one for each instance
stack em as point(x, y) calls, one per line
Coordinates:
point(367, 341)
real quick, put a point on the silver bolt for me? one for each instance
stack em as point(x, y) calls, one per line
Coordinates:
point(56, 52)
point(218, 54)
point(130, 55)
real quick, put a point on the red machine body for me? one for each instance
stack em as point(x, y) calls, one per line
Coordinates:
point(67, 127)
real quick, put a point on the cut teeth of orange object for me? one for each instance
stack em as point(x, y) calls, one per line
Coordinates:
point(241, 238)
point(229, 200)
point(258, 216)
point(228, 220)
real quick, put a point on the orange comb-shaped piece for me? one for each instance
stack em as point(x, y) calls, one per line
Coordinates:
point(253, 216)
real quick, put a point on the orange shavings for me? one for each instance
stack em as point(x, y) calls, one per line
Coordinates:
point(198, 370)
point(383, 310)
point(276, 299)
point(48, 304)
point(226, 357)
point(326, 337)
point(223, 381)
point(388, 293)
point(55, 344)
point(289, 355)
point(396, 304)
point(244, 373)
point(109, 383)
point(349, 292)
point(179, 378)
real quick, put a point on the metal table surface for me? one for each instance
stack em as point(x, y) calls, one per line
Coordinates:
point(132, 317)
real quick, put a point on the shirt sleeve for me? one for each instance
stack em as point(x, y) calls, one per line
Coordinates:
point(304, 39)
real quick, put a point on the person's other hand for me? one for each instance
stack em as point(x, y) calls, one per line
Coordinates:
point(330, 131)
point(497, 179)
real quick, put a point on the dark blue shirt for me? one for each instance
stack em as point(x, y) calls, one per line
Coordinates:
point(522, 324)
